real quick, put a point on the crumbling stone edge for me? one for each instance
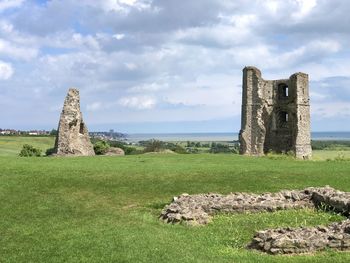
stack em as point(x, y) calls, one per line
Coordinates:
point(198, 210)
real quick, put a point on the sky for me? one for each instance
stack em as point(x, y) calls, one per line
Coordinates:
point(146, 66)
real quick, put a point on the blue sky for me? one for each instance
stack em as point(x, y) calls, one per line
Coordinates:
point(167, 65)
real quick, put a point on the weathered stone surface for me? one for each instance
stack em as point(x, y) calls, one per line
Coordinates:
point(198, 209)
point(330, 198)
point(275, 115)
point(114, 151)
point(73, 136)
point(303, 239)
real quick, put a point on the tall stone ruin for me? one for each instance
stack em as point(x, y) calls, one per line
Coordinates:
point(73, 136)
point(275, 115)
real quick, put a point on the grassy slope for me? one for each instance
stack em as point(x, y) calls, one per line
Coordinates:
point(12, 145)
point(104, 209)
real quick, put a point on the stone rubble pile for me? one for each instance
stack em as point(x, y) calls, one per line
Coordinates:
point(332, 199)
point(303, 239)
point(198, 209)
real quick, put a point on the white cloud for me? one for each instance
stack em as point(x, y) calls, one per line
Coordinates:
point(6, 70)
point(168, 61)
point(6, 27)
point(94, 106)
point(331, 109)
point(231, 31)
point(118, 36)
point(6, 4)
point(140, 103)
point(11, 50)
point(271, 5)
point(149, 87)
point(118, 5)
point(131, 66)
point(305, 7)
point(88, 41)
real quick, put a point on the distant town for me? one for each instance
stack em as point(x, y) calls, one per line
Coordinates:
point(104, 135)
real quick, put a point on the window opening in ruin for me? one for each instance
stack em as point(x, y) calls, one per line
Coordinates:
point(284, 117)
point(283, 90)
point(81, 129)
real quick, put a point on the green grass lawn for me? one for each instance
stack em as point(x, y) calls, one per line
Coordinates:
point(105, 209)
point(12, 145)
point(330, 154)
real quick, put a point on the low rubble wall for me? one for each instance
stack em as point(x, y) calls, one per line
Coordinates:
point(198, 210)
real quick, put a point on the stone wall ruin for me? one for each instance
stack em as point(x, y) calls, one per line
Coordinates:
point(199, 209)
point(275, 115)
point(73, 136)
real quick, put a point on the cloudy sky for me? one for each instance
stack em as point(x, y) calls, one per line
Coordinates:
point(167, 65)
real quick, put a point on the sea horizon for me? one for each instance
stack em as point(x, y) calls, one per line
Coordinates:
point(223, 136)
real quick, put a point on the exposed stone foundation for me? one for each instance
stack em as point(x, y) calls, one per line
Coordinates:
point(304, 239)
point(198, 209)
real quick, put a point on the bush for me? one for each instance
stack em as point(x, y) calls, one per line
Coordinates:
point(175, 148)
point(29, 151)
point(127, 149)
point(118, 144)
point(220, 148)
point(101, 147)
point(50, 151)
point(154, 146)
point(330, 145)
point(132, 151)
point(192, 150)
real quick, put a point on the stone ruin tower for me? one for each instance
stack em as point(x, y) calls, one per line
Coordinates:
point(73, 136)
point(275, 115)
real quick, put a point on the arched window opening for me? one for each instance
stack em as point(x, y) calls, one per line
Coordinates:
point(283, 119)
point(283, 90)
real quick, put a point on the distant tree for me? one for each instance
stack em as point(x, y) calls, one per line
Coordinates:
point(53, 132)
point(29, 151)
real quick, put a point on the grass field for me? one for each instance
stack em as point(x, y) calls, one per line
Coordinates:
point(105, 209)
point(12, 145)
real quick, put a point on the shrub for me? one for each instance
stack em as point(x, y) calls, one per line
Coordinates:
point(175, 148)
point(154, 146)
point(330, 145)
point(29, 151)
point(341, 157)
point(118, 144)
point(101, 147)
point(192, 150)
point(127, 149)
point(50, 151)
point(220, 148)
point(132, 151)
